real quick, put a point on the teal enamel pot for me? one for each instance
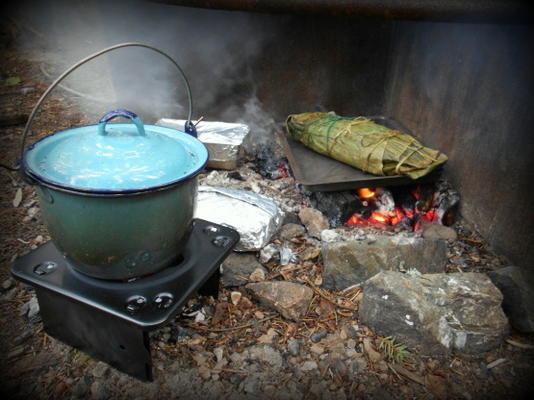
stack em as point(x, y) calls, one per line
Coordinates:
point(117, 198)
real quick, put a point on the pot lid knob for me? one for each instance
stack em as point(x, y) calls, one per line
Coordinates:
point(121, 113)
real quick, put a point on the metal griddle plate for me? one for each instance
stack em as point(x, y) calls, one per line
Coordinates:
point(318, 173)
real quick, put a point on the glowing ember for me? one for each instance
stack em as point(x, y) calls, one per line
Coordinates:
point(365, 193)
point(415, 208)
point(376, 216)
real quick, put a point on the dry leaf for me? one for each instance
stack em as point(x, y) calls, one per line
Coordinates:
point(258, 275)
point(245, 303)
point(268, 337)
point(310, 254)
point(220, 310)
point(326, 309)
point(408, 374)
point(437, 386)
point(374, 356)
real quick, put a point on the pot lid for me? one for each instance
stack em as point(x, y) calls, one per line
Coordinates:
point(115, 158)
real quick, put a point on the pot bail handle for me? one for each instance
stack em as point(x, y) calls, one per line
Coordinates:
point(189, 127)
point(120, 113)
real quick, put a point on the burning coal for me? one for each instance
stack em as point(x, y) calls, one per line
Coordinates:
point(407, 208)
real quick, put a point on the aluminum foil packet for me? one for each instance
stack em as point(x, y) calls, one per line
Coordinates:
point(222, 139)
point(257, 218)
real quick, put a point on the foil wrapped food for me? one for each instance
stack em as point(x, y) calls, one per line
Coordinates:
point(257, 218)
point(224, 140)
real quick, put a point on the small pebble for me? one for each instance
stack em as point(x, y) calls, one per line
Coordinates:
point(6, 285)
point(318, 336)
point(22, 338)
point(293, 346)
point(308, 366)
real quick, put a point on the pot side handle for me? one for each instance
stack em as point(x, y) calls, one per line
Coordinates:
point(120, 113)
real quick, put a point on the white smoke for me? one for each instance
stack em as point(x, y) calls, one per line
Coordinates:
point(215, 49)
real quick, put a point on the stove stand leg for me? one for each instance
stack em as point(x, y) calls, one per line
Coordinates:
point(211, 286)
point(103, 336)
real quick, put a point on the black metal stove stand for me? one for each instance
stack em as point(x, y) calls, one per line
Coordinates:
point(110, 320)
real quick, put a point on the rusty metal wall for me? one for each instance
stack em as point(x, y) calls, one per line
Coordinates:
point(441, 10)
point(468, 90)
point(323, 63)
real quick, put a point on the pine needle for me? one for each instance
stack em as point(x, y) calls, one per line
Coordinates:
point(394, 352)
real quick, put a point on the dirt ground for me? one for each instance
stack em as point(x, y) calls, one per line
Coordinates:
point(34, 365)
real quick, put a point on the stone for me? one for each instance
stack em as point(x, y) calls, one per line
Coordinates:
point(237, 268)
point(251, 384)
point(318, 336)
point(98, 391)
point(235, 297)
point(437, 231)
point(6, 285)
point(358, 365)
point(33, 311)
point(10, 295)
point(22, 338)
point(314, 221)
point(258, 275)
point(266, 354)
point(291, 231)
point(268, 253)
point(288, 298)
point(307, 366)
point(100, 370)
point(317, 349)
point(352, 262)
point(517, 287)
point(329, 235)
point(435, 312)
point(293, 346)
point(80, 389)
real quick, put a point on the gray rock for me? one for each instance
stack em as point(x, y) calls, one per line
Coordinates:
point(329, 235)
point(268, 253)
point(318, 336)
point(290, 231)
point(437, 231)
point(358, 365)
point(100, 370)
point(33, 311)
point(80, 389)
point(237, 268)
point(517, 287)
point(307, 366)
point(288, 298)
point(6, 285)
point(98, 391)
point(293, 346)
point(436, 312)
point(352, 262)
point(251, 384)
point(10, 295)
point(314, 221)
point(22, 338)
point(339, 367)
point(266, 354)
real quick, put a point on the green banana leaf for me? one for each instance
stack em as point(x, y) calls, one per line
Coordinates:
point(364, 144)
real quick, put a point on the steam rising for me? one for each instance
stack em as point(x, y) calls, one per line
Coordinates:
point(60, 33)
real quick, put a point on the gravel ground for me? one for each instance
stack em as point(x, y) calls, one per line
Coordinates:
point(251, 352)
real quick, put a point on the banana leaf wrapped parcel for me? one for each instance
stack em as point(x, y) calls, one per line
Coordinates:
point(364, 144)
